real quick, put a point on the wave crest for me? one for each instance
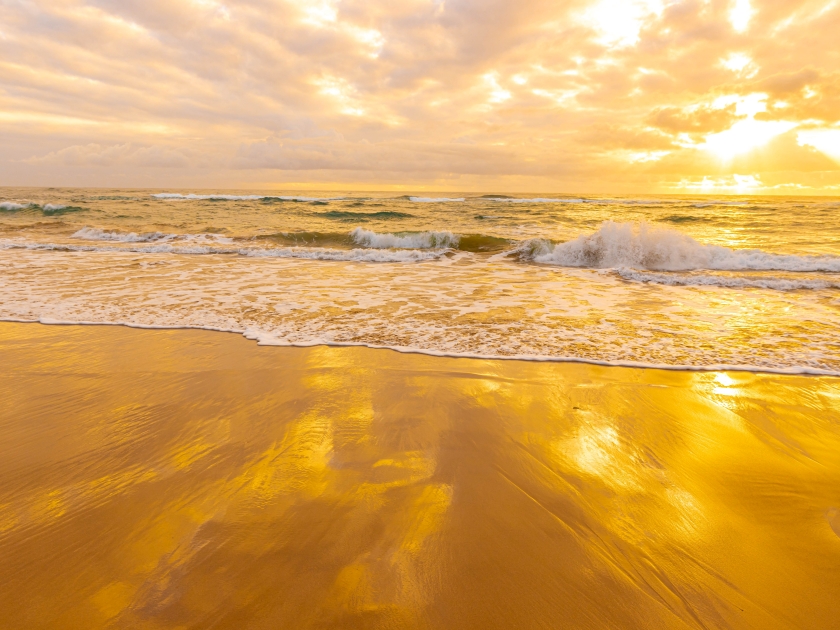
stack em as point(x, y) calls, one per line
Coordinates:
point(647, 246)
point(422, 240)
point(11, 206)
point(95, 234)
point(48, 209)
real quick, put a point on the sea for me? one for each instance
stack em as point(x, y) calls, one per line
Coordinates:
point(678, 282)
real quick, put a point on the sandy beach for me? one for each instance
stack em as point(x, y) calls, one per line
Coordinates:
point(191, 479)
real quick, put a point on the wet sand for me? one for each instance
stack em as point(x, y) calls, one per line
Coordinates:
point(190, 479)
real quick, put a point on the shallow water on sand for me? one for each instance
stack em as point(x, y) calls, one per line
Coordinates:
point(153, 479)
point(696, 282)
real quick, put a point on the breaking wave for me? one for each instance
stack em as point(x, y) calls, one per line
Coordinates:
point(647, 246)
point(401, 240)
point(11, 206)
point(422, 240)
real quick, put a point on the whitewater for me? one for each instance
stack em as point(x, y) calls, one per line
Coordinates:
point(672, 282)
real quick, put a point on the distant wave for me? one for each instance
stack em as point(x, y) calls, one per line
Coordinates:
point(221, 197)
point(47, 209)
point(435, 199)
point(352, 255)
point(534, 200)
point(362, 216)
point(95, 234)
point(647, 246)
point(776, 284)
point(706, 204)
point(683, 218)
point(401, 240)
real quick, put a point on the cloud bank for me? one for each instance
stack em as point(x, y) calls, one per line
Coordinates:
point(612, 95)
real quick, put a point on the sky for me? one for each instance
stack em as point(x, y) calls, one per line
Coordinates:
point(658, 96)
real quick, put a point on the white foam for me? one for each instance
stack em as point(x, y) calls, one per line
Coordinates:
point(266, 338)
point(220, 197)
point(317, 253)
point(208, 237)
point(95, 234)
point(435, 199)
point(52, 207)
point(422, 240)
point(732, 282)
point(11, 206)
point(647, 246)
point(478, 307)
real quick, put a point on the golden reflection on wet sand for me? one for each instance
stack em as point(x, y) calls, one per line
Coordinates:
point(189, 479)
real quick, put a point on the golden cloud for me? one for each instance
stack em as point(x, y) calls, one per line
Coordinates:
point(545, 95)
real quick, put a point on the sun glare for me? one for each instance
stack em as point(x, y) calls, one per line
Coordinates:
point(619, 21)
point(744, 136)
point(825, 140)
point(741, 14)
point(748, 133)
point(739, 184)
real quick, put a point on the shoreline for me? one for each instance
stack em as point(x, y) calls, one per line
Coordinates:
point(802, 371)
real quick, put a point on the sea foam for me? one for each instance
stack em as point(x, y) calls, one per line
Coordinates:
point(730, 282)
point(194, 246)
point(95, 234)
point(648, 246)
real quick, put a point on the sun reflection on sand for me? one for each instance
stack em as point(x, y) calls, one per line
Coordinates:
point(358, 488)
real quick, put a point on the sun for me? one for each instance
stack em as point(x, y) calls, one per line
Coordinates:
point(747, 133)
point(744, 136)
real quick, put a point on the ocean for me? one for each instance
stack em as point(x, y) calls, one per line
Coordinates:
point(681, 282)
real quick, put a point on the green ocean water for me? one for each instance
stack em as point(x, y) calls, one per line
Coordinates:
point(683, 282)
